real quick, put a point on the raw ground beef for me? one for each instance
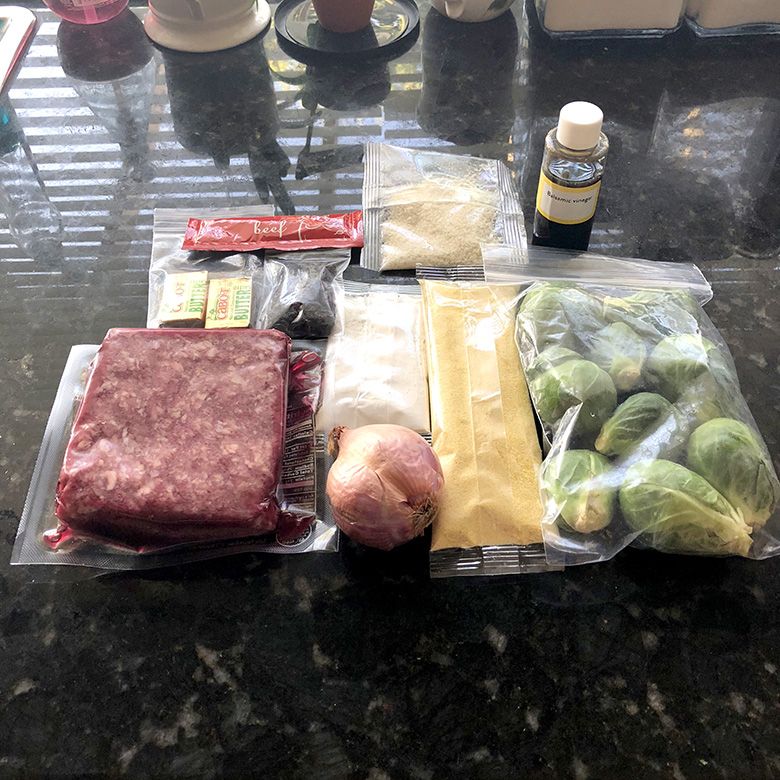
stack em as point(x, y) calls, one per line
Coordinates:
point(179, 438)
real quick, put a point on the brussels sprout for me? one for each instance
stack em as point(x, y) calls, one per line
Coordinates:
point(707, 397)
point(620, 352)
point(578, 482)
point(732, 458)
point(660, 298)
point(677, 361)
point(551, 357)
point(551, 315)
point(684, 301)
point(654, 313)
point(543, 320)
point(582, 310)
point(676, 510)
point(647, 424)
point(722, 368)
point(569, 384)
point(541, 291)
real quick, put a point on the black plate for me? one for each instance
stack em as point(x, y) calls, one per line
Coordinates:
point(393, 30)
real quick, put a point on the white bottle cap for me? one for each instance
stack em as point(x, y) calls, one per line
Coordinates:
point(579, 125)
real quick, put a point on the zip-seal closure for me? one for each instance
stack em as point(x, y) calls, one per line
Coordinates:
point(352, 287)
point(513, 265)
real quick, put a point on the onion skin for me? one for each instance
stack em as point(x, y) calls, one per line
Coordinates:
point(383, 485)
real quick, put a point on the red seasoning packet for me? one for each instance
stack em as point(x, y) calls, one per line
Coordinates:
point(286, 233)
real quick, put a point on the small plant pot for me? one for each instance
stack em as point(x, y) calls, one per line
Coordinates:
point(344, 16)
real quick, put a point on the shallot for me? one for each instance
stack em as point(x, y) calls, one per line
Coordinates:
point(383, 485)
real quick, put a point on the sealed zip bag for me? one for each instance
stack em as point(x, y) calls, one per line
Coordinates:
point(483, 431)
point(650, 441)
point(300, 292)
point(201, 288)
point(165, 447)
point(434, 209)
point(375, 363)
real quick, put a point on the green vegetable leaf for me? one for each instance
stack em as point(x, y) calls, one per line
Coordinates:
point(574, 383)
point(551, 315)
point(655, 313)
point(732, 458)
point(619, 351)
point(676, 510)
point(677, 361)
point(646, 425)
point(578, 481)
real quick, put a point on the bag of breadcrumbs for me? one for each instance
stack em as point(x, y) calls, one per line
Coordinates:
point(433, 209)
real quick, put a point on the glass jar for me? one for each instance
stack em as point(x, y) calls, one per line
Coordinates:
point(609, 18)
point(87, 11)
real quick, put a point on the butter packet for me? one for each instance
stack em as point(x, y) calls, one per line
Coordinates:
point(183, 302)
point(229, 303)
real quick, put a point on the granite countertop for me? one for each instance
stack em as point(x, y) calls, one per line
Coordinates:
point(356, 665)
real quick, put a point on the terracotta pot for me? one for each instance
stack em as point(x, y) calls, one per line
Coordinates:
point(344, 16)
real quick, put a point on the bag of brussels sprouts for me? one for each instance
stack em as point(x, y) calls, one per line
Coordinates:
point(649, 440)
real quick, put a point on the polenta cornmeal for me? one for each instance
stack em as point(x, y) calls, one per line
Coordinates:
point(482, 422)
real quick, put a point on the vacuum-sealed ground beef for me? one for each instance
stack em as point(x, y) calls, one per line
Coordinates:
point(179, 438)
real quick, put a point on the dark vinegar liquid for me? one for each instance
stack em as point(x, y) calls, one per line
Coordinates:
point(547, 233)
point(571, 170)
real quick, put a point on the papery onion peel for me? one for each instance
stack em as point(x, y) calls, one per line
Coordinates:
point(383, 485)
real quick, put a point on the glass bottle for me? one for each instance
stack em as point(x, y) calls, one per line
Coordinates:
point(570, 179)
point(87, 11)
point(34, 221)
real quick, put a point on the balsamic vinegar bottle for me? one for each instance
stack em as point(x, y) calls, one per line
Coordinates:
point(570, 179)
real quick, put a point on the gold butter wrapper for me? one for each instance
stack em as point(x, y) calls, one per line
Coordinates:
point(229, 303)
point(183, 303)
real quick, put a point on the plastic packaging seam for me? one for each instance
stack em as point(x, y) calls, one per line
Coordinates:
point(490, 561)
point(462, 273)
point(48, 463)
point(370, 257)
point(352, 287)
point(508, 265)
point(513, 215)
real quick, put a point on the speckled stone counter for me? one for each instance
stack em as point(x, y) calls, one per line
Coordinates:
point(355, 665)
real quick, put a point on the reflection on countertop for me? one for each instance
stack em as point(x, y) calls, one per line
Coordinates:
point(356, 666)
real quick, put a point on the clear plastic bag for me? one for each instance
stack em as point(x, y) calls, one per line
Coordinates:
point(180, 279)
point(650, 440)
point(433, 209)
point(300, 292)
point(305, 524)
point(375, 364)
point(483, 431)
point(304, 509)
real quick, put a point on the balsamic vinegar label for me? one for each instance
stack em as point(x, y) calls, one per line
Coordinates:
point(566, 205)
